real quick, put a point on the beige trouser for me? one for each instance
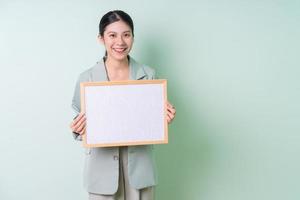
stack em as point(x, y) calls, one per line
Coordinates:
point(125, 192)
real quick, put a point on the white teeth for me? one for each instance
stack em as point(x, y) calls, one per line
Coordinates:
point(120, 50)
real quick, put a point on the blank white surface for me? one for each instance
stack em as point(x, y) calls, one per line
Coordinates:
point(124, 113)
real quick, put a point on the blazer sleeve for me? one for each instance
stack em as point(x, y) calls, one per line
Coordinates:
point(76, 101)
point(76, 97)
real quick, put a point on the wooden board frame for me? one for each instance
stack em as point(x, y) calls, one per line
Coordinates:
point(163, 82)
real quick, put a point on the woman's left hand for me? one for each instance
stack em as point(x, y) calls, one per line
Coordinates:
point(170, 112)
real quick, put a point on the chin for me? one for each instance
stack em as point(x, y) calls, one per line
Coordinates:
point(120, 57)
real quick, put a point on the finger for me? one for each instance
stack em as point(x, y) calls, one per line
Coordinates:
point(80, 128)
point(168, 119)
point(172, 110)
point(79, 117)
point(71, 125)
point(169, 105)
point(170, 115)
point(81, 123)
point(83, 131)
point(75, 122)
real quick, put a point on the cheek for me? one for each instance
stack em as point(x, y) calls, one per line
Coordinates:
point(108, 44)
point(129, 41)
point(107, 40)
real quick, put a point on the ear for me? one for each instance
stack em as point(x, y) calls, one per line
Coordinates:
point(100, 39)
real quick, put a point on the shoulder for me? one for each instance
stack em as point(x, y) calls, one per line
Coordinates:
point(86, 74)
point(148, 70)
point(143, 69)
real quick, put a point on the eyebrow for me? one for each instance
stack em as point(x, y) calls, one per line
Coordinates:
point(116, 32)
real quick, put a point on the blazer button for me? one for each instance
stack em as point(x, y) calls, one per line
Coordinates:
point(116, 157)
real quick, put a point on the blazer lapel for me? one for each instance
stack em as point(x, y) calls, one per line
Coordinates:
point(98, 72)
point(136, 70)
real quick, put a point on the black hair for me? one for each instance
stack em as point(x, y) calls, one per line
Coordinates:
point(114, 16)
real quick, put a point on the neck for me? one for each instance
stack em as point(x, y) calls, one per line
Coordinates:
point(116, 64)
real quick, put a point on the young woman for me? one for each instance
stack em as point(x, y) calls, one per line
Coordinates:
point(126, 173)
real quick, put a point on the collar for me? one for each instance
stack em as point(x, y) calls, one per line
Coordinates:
point(135, 69)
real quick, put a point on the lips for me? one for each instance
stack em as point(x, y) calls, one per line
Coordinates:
point(119, 50)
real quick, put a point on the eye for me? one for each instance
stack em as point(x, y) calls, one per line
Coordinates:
point(127, 34)
point(112, 35)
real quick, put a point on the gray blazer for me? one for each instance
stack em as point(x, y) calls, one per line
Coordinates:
point(101, 170)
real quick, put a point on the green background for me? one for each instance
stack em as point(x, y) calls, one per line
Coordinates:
point(233, 76)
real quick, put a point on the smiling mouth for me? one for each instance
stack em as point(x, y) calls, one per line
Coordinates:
point(119, 50)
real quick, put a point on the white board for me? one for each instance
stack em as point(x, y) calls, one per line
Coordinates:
point(124, 113)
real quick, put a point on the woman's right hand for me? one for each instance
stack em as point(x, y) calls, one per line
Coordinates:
point(78, 124)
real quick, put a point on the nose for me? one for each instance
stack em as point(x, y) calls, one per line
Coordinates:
point(120, 40)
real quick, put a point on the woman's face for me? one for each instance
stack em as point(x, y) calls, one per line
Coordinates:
point(117, 39)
